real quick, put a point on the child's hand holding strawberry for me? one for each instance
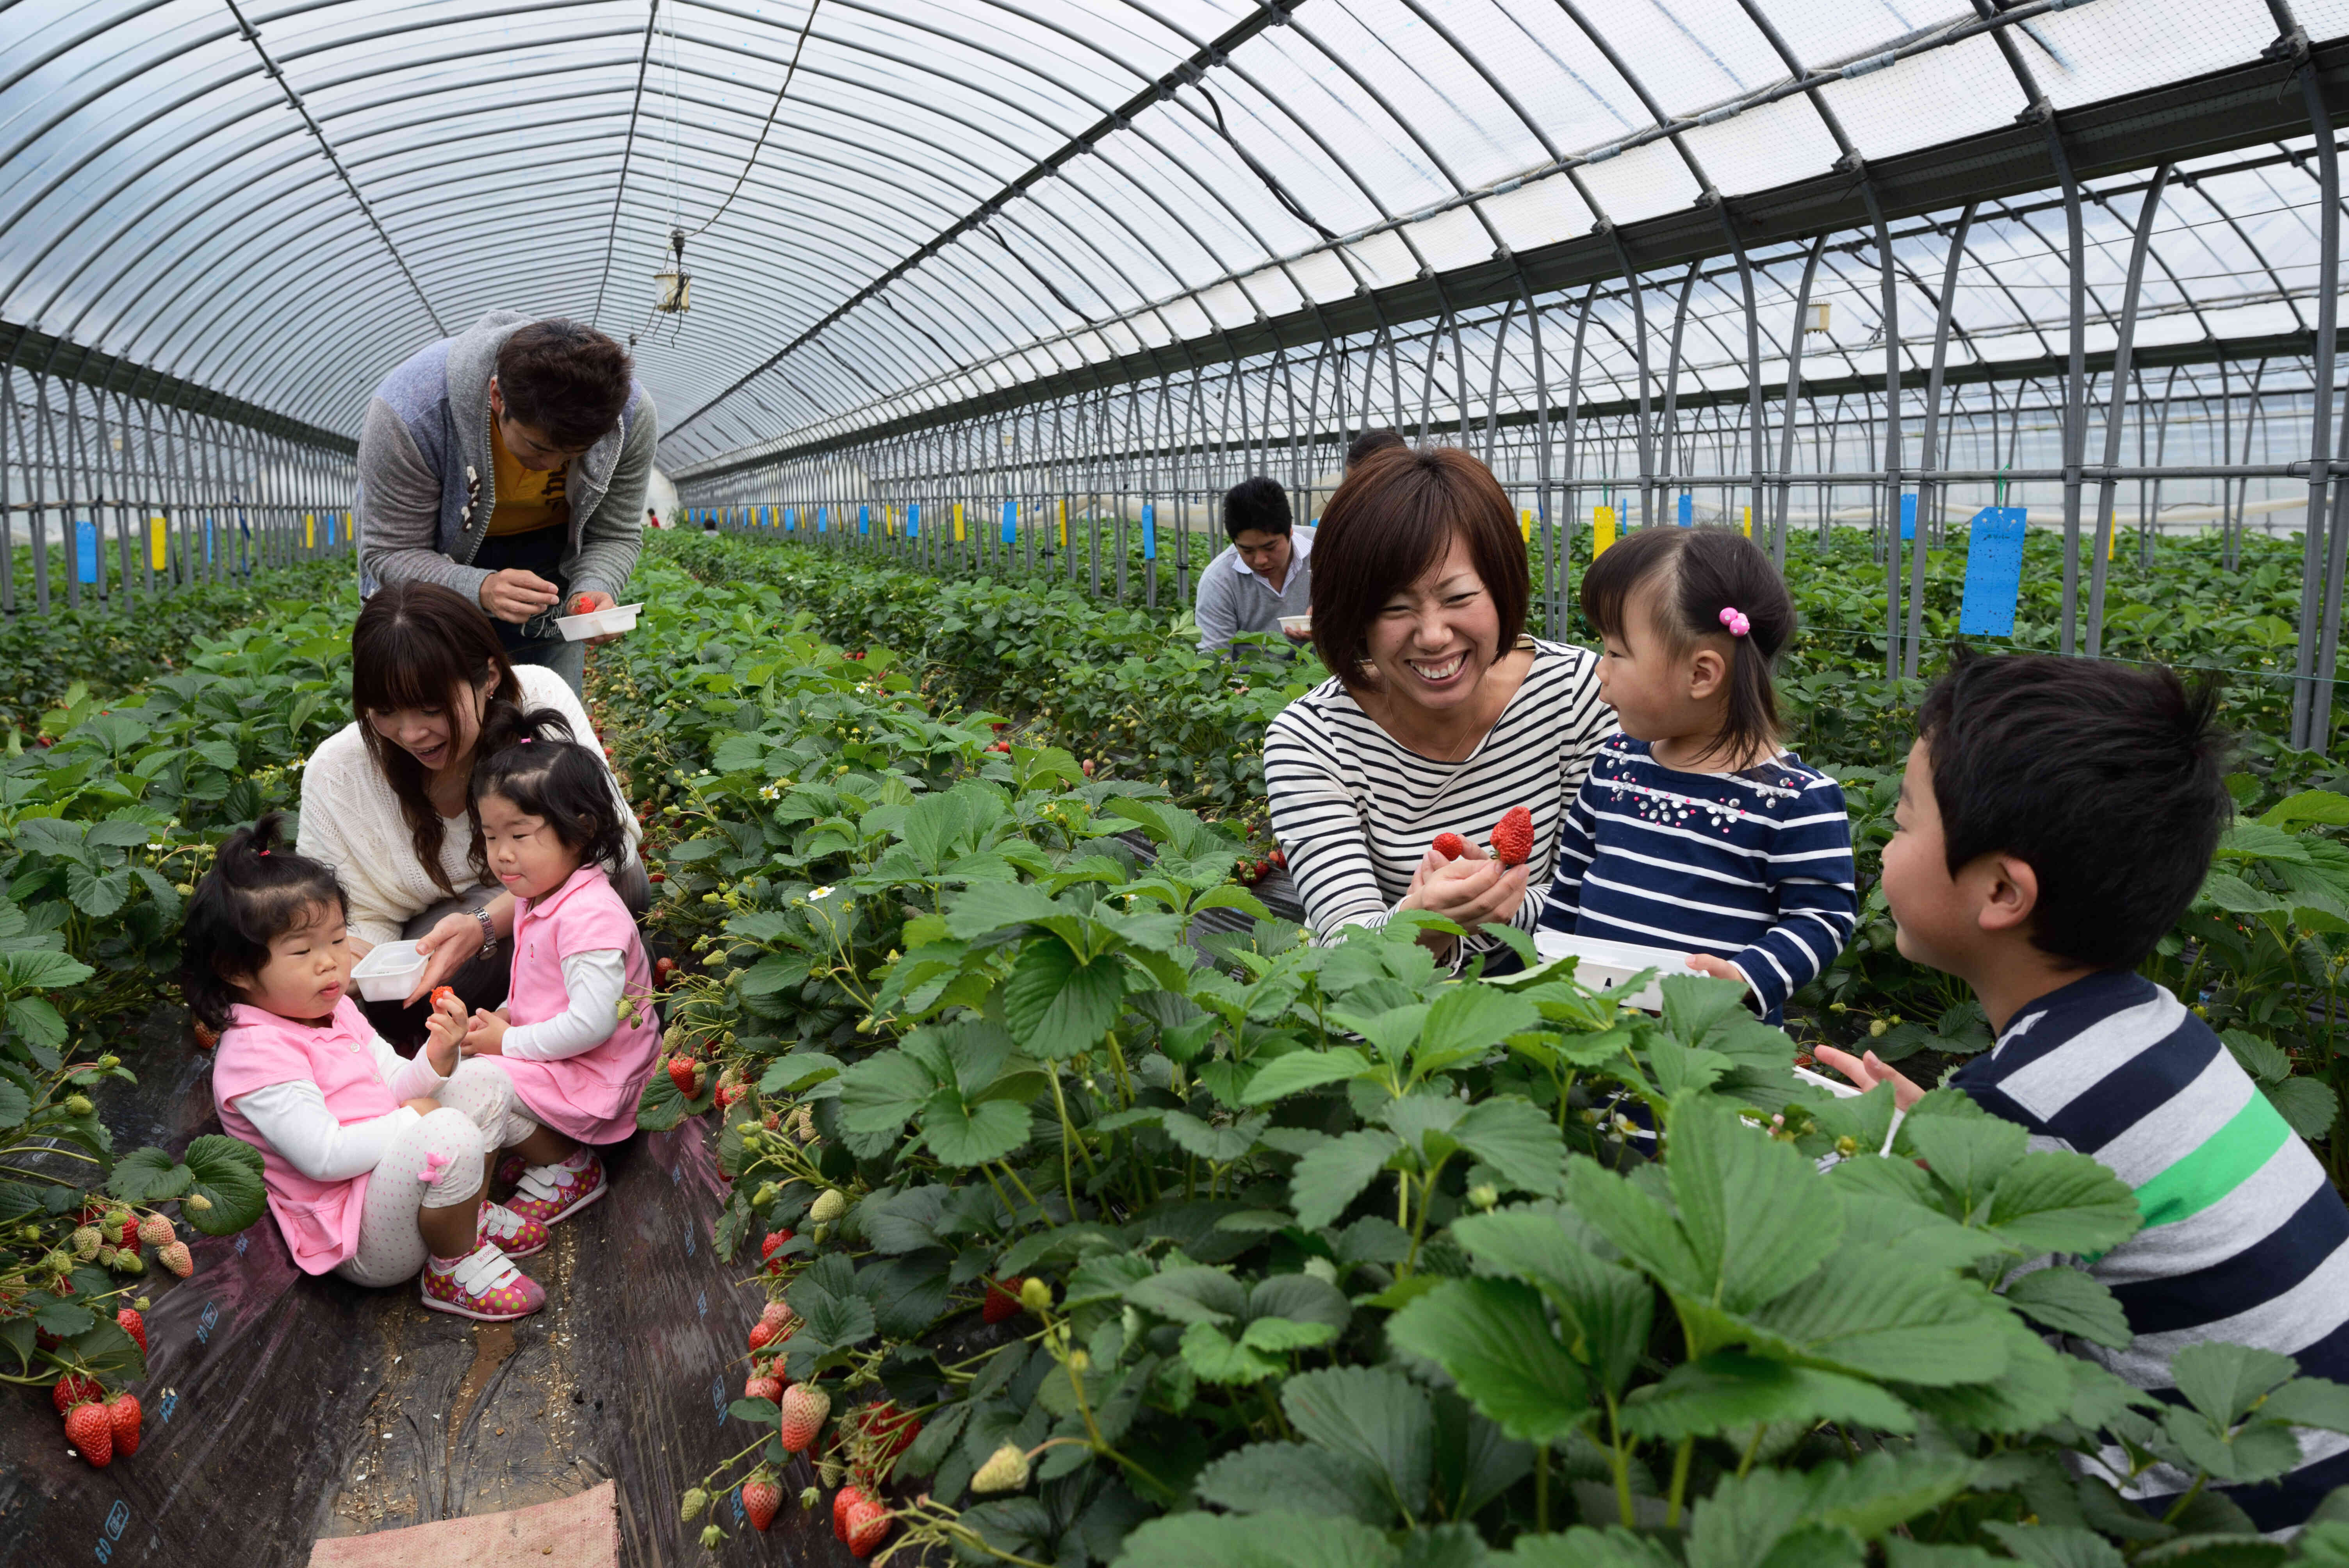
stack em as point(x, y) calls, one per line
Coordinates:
point(486, 1038)
point(444, 1030)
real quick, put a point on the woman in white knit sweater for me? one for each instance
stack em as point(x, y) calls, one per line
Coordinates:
point(384, 798)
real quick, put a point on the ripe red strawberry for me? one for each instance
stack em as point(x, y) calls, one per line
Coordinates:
point(844, 1499)
point(206, 1036)
point(656, 877)
point(762, 1333)
point(804, 1407)
point(440, 992)
point(1513, 836)
point(1002, 1302)
point(686, 1073)
point(89, 1429)
point(130, 1229)
point(893, 1430)
point(1451, 846)
point(760, 1498)
point(72, 1389)
point(1088, 767)
point(869, 1524)
point(122, 1414)
point(769, 1388)
point(581, 604)
point(766, 1250)
point(1281, 858)
point(133, 1325)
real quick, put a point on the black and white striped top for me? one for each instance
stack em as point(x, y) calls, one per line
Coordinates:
point(1354, 810)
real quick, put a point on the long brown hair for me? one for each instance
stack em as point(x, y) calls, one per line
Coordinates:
point(419, 644)
point(1391, 518)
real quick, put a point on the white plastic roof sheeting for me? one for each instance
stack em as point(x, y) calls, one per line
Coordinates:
point(282, 202)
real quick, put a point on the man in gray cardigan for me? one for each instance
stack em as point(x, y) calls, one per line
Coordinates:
point(509, 463)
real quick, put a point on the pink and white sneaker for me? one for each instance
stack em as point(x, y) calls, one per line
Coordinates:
point(510, 1170)
point(484, 1287)
point(516, 1236)
point(551, 1193)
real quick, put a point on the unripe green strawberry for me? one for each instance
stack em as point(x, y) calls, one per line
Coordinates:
point(830, 1205)
point(691, 1505)
point(1035, 1295)
point(80, 1105)
point(1006, 1469)
point(85, 1241)
point(196, 1204)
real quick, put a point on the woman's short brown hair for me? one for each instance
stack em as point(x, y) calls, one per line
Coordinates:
point(1387, 524)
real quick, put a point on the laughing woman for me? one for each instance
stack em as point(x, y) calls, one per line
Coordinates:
point(1443, 713)
point(383, 798)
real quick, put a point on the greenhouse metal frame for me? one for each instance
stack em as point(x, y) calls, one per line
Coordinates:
point(1785, 265)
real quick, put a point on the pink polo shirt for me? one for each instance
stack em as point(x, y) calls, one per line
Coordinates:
point(320, 1219)
point(592, 1096)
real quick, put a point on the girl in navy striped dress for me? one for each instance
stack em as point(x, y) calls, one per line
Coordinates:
point(1695, 831)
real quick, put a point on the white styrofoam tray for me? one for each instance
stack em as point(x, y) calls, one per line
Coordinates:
point(1604, 966)
point(388, 971)
point(599, 622)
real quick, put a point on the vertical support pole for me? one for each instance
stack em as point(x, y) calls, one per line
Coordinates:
point(2117, 408)
point(2322, 563)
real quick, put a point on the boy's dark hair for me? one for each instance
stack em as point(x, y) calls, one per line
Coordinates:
point(566, 381)
point(257, 889)
point(420, 644)
point(1698, 573)
point(1388, 521)
point(1370, 441)
point(1259, 503)
point(531, 759)
point(2108, 778)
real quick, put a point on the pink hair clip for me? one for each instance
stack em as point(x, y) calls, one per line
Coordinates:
point(265, 854)
point(524, 741)
point(1734, 619)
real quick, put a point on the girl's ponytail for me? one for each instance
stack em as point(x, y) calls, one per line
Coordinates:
point(1710, 583)
point(258, 889)
point(531, 759)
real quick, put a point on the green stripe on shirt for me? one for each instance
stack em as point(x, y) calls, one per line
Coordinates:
point(2223, 1162)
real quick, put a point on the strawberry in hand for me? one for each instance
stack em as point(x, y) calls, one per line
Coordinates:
point(444, 1031)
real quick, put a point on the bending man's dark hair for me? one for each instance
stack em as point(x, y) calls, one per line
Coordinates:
point(1370, 441)
point(2108, 780)
point(1257, 503)
point(565, 381)
point(257, 889)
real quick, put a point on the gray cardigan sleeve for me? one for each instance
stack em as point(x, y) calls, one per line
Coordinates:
point(613, 532)
point(1214, 610)
point(399, 509)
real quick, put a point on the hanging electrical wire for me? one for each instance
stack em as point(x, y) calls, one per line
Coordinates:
point(790, 71)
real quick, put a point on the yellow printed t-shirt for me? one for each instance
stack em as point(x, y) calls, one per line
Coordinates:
point(527, 500)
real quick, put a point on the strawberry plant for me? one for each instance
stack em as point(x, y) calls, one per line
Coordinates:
point(1205, 1248)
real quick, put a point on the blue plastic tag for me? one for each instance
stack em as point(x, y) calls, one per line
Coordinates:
point(1993, 573)
point(1149, 532)
point(1909, 516)
point(864, 518)
point(85, 550)
point(914, 521)
point(1010, 523)
point(1688, 510)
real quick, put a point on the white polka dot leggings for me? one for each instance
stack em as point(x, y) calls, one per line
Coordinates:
point(477, 1116)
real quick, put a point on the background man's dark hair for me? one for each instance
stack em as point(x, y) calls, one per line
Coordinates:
point(565, 381)
point(1371, 441)
point(1257, 502)
point(2106, 778)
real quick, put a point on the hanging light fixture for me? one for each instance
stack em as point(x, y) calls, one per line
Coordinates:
point(675, 284)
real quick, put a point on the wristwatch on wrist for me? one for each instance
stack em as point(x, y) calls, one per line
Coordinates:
point(489, 933)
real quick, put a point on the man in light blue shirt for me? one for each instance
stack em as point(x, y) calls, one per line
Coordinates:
point(1264, 574)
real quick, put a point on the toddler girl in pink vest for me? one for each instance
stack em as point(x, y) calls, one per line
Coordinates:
point(375, 1166)
point(577, 1036)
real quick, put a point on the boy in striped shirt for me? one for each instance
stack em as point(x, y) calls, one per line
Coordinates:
point(2056, 818)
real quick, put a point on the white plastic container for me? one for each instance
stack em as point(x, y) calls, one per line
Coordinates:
point(1297, 623)
point(388, 971)
point(599, 622)
point(1605, 965)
